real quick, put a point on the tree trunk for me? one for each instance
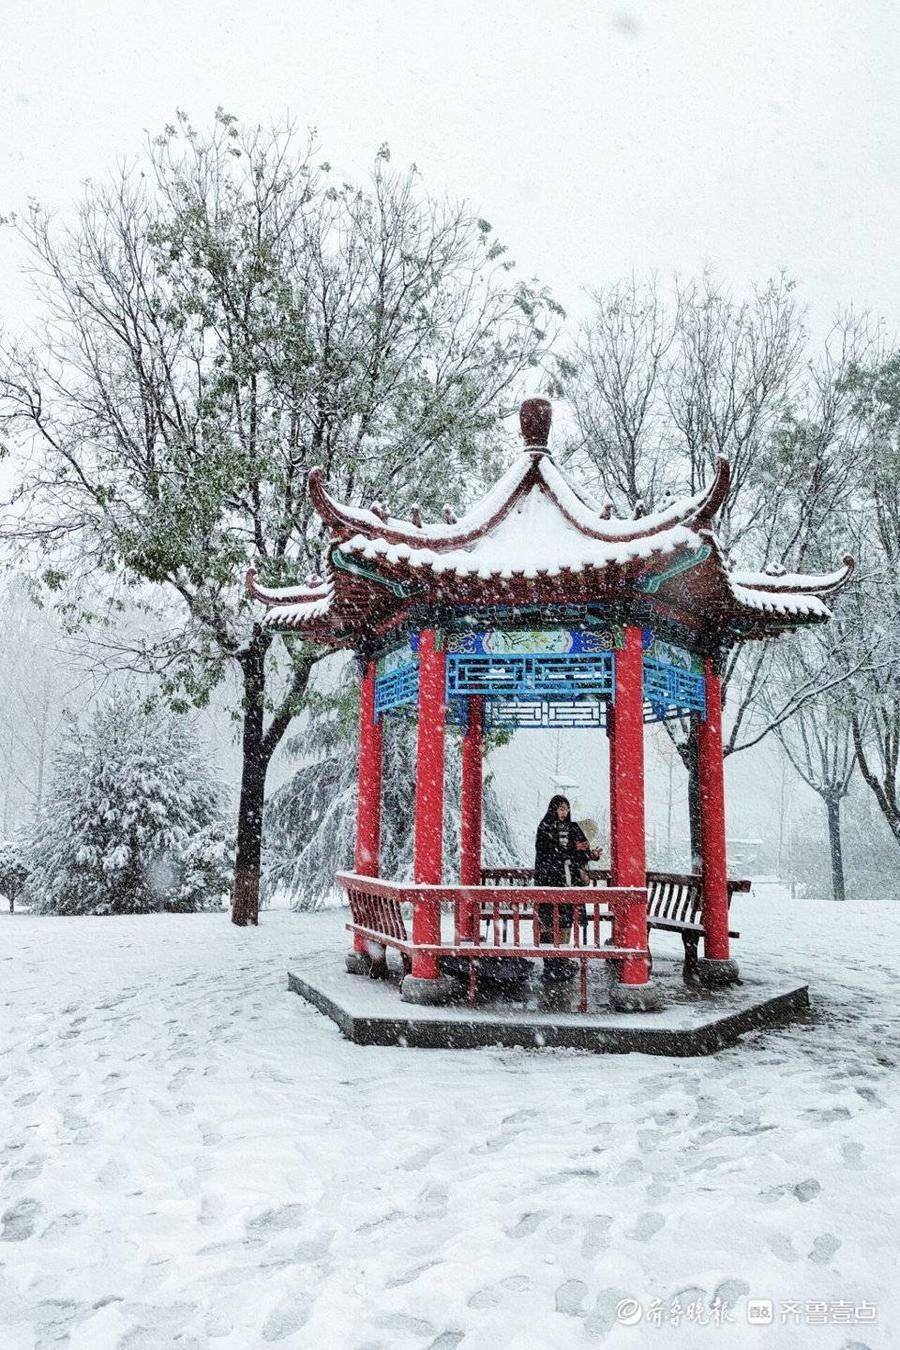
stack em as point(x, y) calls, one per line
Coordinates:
point(883, 789)
point(257, 746)
point(689, 751)
point(833, 808)
point(245, 896)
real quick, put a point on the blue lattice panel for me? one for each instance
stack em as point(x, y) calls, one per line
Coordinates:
point(523, 677)
point(396, 687)
point(672, 691)
point(542, 713)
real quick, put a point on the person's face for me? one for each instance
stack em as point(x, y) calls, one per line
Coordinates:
point(562, 811)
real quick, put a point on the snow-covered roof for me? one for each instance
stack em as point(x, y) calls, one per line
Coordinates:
point(532, 471)
point(532, 538)
point(536, 538)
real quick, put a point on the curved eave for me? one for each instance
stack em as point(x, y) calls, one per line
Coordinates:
point(285, 595)
point(724, 603)
point(787, 609)
point(320, 622)
point(530, 470)
point(798, 583)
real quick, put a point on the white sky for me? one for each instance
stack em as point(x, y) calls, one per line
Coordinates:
point(598, 137)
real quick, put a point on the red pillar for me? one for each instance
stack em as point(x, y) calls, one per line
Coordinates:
point(368, 808)
point(368, 802)
point(470, 805)
point(712, 822)
point(611, 737)
point(627, 800)
point(429, 823)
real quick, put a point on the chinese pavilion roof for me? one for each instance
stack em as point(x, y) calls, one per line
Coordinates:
point(536, 540)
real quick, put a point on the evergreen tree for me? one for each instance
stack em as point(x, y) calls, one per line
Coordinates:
point(13, 869)
point(134, 821)
point(311, 819)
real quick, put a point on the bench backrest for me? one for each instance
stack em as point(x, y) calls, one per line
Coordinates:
point(674, 896)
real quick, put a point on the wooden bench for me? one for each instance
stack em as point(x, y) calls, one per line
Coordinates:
point(674, 902)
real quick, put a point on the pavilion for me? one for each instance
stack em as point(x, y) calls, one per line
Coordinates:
point(537, 608)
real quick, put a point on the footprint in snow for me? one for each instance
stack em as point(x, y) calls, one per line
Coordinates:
point(852, 1152)
point(317, 1248)
point(824, 1248)
point(53, 1315)
point(517, 1283)
point(421, 1159)
point(276, 1220)
point(27, 1171)
point(494, 1144)
point(287, 1319)
point(527, 1224)
point(432, 1203)
point(870, 1095)
point(409, 1276)
point(372, 1224)
point(630, 1170)
point(17, 1223)
point(602, 1318)
point(727, 1292)
point(217, 1324)
point(569, 1298)
point(596, 1235)
point(646, 1226)
point(780, 1245)
point(563, 1229)
point(491, 1296)
point(415, 1326)
point(803, 1190)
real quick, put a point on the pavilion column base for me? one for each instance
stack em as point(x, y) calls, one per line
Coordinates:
point(428, 993)
point(716, 974)
point(636, 997)
point(363, 963)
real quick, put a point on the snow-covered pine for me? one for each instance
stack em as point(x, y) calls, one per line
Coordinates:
point(310, 821)
point(13, 868)
point(135, 819)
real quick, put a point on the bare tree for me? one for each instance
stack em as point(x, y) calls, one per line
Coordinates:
point(730, 380)
point(39, 682)
point(660, 389)
point(618, 394)
point(817, 738)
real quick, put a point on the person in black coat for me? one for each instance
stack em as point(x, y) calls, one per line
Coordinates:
point(561, 852)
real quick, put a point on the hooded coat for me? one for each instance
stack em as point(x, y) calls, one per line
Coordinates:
point(558, 861)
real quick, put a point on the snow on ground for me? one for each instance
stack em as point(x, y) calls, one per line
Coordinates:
point(190, 1156)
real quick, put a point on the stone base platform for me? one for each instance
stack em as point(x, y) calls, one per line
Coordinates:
point(537, 1014)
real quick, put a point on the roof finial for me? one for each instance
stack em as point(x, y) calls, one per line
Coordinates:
point(535, 416)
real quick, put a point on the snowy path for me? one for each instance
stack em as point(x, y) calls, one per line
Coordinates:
point(192, 1157)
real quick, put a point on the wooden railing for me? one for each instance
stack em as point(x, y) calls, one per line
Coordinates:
point(493, 921)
